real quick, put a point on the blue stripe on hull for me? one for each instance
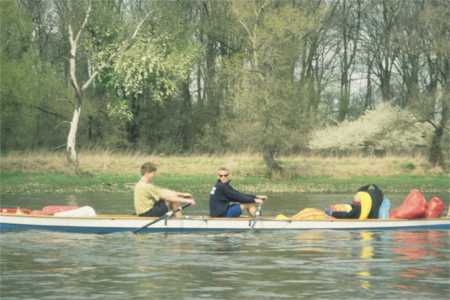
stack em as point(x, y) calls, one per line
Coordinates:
point(419, 227)
point(4, 227)
point(106, 230)
point(68, 229)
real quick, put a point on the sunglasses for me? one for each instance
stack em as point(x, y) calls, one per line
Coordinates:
point(223, 175)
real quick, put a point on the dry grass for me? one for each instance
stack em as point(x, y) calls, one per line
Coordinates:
point(344, 167)
point(240, 164)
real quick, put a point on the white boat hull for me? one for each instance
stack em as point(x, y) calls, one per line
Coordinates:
point(116, 223)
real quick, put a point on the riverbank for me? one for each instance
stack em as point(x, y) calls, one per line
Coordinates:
point(107, 162)
point(106, 171)
point(20, 182)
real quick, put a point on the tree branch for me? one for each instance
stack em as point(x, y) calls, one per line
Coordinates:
point(246, 28)
point(72, 61)
point(73, 41)
point(126, 45)
point(86, 17)
point(47, 111)
point(432, 123)
point(61, 123)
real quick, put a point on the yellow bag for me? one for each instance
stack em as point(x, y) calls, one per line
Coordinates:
point(342, 207)
point(366, 204)
point(281, 217)
point(311, 214)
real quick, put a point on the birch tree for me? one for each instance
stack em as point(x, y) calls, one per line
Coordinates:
point(70, 10)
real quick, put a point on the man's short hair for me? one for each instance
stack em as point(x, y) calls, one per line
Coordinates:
point(148, 167)
point(223, 169)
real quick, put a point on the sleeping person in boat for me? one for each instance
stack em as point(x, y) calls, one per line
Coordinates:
point(365, 205)
point(225, 201)
point(153, 201)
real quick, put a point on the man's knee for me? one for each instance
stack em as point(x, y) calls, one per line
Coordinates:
point(249, 208)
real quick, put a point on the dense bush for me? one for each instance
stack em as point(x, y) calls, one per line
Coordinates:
point(385, 128)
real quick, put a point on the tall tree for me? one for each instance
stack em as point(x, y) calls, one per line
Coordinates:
point(410, 36)
point(70, 14)
point(435, 18)
point(349, 31)
point(268, 109)
point(380, 23)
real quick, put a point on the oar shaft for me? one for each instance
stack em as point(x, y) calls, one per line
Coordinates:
point(166, 216)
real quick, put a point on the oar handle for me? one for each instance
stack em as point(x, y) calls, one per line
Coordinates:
point(257, 215)
point(184, 206)
point(172, 212)
point(258, 210)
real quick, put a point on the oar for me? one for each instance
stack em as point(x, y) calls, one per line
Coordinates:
point(257, 215)
point(166, 216)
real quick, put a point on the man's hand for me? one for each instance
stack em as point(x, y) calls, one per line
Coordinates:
point(259, 201)
point(185, 195)
point(191, 201)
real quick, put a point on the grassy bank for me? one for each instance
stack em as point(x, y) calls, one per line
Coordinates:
point(105, 171)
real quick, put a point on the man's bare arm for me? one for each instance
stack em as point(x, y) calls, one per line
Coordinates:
point(173, 196)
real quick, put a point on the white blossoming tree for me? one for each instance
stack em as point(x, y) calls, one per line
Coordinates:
point(385, 128)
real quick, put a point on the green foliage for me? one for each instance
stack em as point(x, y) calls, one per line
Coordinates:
point(218, 76)
point(119, 111)
point(151, 66)
point(31, 91)
point(15, 30)
point(33, 103)
point(271, 114)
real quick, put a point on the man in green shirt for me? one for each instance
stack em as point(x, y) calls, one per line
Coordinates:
point(153, 201)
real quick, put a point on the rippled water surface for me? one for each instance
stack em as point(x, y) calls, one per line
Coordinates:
point(250, 265)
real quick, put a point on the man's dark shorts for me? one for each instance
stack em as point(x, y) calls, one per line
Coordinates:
point(158, 210)
point(233, 211)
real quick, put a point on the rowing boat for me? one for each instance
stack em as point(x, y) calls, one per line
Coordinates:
point(101, 224)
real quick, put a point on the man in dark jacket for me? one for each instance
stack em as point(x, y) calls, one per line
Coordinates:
point(223, 195)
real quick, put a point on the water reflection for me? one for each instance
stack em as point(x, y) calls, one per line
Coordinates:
point(366, 254)
point(317, 264)
point(417, 245)
point(413, 247)
point(251, 265)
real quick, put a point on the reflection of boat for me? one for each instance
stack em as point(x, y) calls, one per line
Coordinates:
point(417, 245)
point(121, 223)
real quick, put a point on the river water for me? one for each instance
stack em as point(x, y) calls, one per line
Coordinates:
point(249, 265)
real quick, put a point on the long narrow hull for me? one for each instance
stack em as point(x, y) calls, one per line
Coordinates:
point(120, 223)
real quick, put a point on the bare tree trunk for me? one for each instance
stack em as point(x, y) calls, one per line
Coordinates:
point(368, 99)
point(74, 37)
point(186, 116)
point(71, 153)
point(436, 155)
point(344, 99)
point(133, 124)
point(273, 167)
point(350, 36)
point(210, 81)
